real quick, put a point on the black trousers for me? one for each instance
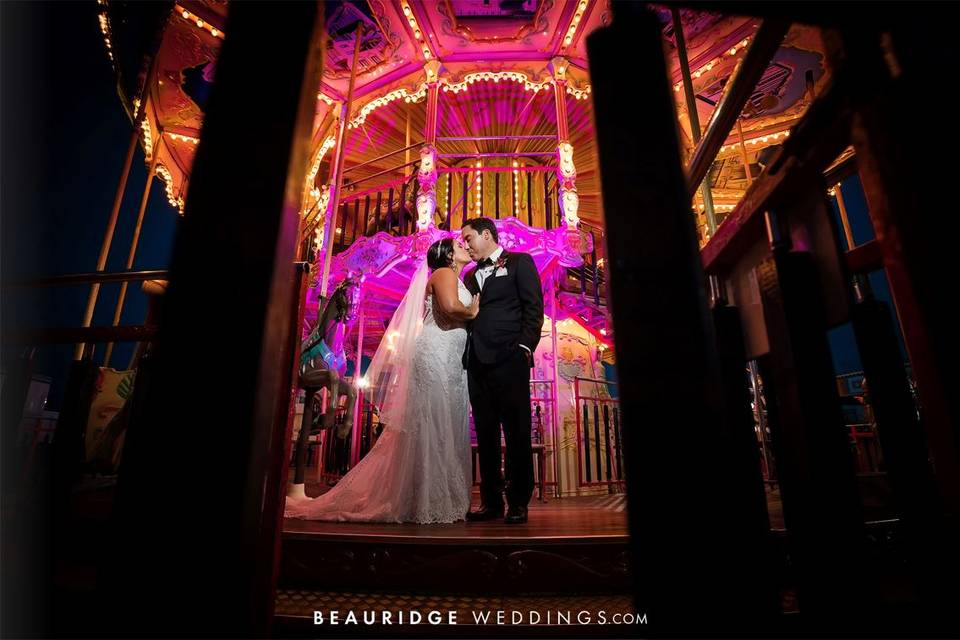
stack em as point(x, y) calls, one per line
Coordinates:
point(500, 395)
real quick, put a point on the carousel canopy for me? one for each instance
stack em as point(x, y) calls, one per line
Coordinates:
point(497, 62)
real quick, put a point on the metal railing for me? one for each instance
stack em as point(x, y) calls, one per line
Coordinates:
point(599, 448)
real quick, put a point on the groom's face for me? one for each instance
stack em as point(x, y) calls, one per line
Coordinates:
point(479, 246)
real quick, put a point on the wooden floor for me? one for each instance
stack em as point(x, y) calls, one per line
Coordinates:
point(566, 545)
point(558, 521)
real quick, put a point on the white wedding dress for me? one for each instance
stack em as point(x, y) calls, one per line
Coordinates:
point(418, 470)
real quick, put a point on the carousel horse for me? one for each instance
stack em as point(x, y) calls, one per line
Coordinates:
point(323, 364)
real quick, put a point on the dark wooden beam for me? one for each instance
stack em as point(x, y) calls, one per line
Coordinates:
point(667, 362)
point(765, 44)
point(199, 497)
point(73, 335)
point(814, 143)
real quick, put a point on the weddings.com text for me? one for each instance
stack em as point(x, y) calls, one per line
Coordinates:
point(497, 617)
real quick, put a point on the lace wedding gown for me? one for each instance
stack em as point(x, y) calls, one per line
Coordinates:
point(419, 471)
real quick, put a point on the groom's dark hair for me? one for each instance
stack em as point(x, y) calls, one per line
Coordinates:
point(483, 224)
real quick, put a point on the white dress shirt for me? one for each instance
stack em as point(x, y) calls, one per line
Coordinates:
point(483, 274)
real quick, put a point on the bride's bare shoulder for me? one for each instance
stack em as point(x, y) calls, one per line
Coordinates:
point(442, 277)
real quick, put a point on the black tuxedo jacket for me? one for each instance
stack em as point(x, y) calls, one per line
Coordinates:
point(511, 311)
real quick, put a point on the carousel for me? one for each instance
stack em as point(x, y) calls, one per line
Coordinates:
point(429, 114)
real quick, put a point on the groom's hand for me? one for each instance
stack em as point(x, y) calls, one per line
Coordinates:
point(526, 354)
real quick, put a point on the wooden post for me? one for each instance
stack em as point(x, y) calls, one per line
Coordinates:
point(821, 503)
point(673, 361)
point(903, 201)
point(239, 420)
point(748, 501)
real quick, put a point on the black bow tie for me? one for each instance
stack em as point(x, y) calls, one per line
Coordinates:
point(486, 262)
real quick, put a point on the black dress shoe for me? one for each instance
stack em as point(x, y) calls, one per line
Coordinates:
point(484, 513)
point(516, 515)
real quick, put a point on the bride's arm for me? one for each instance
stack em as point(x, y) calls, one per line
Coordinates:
point(445, 294)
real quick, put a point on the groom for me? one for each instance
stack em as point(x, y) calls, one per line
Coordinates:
point(498, 359)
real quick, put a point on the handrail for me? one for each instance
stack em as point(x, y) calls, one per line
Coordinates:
point(488, 138)
point(530, 169)
point(88, 278)
point(82, 335)
point(379, 158)
point(380, 187)
point(768, 39)
point(594, 380)
point(518, 154)
point(380, 173)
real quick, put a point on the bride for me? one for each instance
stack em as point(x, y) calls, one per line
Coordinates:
point(420, 469)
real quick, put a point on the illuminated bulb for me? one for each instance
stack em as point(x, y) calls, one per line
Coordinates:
point(413, 23)
point(406, 10)
point(418, 34)
point(200, 23)
point(733, 51)
point(186, 14)
point(567, 40)
point(214, 33)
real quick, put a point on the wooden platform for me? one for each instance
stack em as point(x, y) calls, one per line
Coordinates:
point(568, 545)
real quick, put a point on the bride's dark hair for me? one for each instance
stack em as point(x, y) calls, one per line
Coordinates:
point(440, 254)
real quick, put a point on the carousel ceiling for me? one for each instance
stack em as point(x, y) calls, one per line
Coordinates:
point(481, 47)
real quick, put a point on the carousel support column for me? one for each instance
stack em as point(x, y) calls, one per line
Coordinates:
point(555, 412)
point(743, 154)
point(427, 194)
point(228, 480)
point(426, 200)
point(673, 362)
point(151, 172)
point(693, 115)
point(358, 388)
point(406, 145)
point(329, 230)
point(432, 72)
point(568, 198)
point(108, 234)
